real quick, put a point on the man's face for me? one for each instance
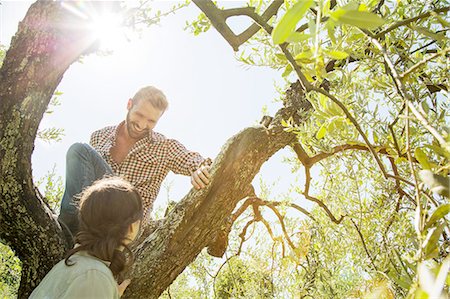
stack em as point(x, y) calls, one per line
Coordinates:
point(141, 118)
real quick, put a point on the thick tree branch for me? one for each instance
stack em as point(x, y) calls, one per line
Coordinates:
point(218, 18)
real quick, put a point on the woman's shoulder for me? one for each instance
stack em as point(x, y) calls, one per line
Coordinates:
point(84, 261)
point(86, 274)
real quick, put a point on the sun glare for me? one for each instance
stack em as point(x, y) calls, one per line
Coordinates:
point(109, 30)
point(105, 27)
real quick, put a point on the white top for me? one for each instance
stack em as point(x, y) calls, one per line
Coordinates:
point(88, 277)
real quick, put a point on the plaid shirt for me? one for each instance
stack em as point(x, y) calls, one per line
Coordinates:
point(148, 162)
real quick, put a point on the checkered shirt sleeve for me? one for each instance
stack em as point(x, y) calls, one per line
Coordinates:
point(182, 161)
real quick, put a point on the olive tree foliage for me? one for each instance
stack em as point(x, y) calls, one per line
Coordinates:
point(376, 76)
point(376, 73)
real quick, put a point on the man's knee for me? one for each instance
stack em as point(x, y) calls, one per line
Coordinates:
point(78, 149)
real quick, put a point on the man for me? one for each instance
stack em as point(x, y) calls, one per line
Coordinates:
point(133, 151)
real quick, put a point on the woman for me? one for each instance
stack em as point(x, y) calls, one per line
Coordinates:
point(110, 215)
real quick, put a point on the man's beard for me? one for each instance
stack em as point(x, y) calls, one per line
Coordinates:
point(132, 129)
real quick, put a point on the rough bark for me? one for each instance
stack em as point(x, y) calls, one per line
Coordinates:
point(40, 53)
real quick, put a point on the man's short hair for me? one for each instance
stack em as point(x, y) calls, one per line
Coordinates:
point(152, 94)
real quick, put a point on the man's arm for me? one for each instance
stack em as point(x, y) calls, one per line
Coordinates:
point(183, 161)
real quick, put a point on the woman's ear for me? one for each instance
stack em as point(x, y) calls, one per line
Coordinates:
point(133, 230)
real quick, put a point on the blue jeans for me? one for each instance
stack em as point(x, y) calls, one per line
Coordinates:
point(84, 165)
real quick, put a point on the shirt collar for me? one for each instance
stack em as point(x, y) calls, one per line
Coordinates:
point(148, 139)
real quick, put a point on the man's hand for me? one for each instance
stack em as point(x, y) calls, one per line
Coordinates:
point(200, 177)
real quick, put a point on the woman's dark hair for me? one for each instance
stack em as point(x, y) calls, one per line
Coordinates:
point(107, 209)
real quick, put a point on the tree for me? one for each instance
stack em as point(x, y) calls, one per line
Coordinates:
point(393, 125)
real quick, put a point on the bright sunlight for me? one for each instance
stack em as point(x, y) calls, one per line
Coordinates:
point(106, 27)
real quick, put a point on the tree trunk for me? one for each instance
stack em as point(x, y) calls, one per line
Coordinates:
point(40, 53)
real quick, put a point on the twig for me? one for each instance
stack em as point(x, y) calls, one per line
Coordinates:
point(364, 245)
point(319, 202)
point(411, 20)
point(401, 89)
point(391, 129)
point(243, 233)
point(283, 227)
point(357, 126)
point(422, 62)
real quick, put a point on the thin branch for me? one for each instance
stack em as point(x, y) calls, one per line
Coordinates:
point(401, 179)
point(218, 271)
point(411, 20)
point(304, 82)
point(420, 63)
point(242, 208)
point(391, 129)
point(423, 47)
point(283, 227)
point(357, 126)
point(400, 191)
point(154, 19)
point(243, 233)
point(308, 162)
point(260, 202)
point(316, 200)
point(364, 245)
point(301, 154)
point(401, 89)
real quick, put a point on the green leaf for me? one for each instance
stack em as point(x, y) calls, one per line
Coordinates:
point(322, 131)
point(297, 37)
point(280, 56)
point(429, 33)
point(402, 280)
point(425, 107)
point(430, 244)
point(304, 57)
point(375, 136)
point(337, 54)
point(361, 19)
point(442, 21)
point(330, 24)
point(422, 158)
point(438, 150)
point(289, 21)
point(438, 184)
point(287, 71)
point(439, 213)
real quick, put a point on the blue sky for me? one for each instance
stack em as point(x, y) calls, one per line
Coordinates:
point(212, 96)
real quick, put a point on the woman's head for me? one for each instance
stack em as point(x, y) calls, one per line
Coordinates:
point(109, 212)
